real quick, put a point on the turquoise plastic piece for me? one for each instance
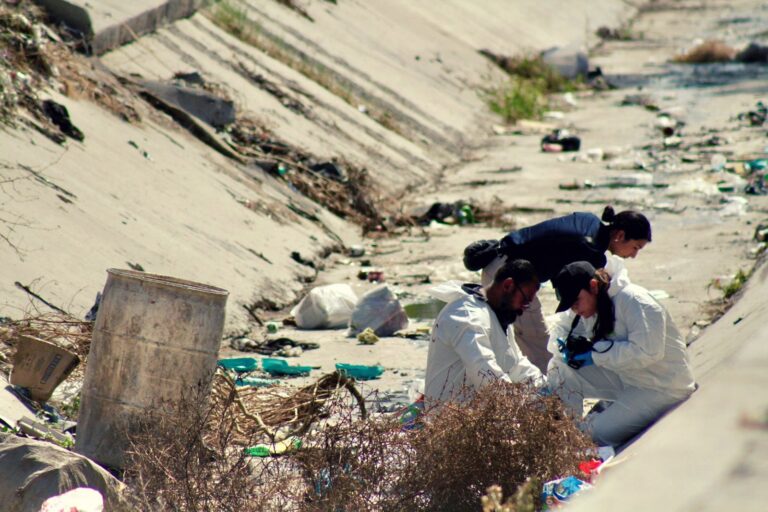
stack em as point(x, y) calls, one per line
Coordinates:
point(281, 367)
point(239, 364)
point(255, 382)
point(359, 371)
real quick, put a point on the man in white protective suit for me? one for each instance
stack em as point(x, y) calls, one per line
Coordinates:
point(472, 343)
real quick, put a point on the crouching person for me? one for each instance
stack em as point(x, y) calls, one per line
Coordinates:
point(616, 343)
point(472, 343)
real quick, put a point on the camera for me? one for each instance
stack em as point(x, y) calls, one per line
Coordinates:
point(578, 344)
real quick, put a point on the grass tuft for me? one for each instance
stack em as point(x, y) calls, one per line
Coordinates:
point(707, 52)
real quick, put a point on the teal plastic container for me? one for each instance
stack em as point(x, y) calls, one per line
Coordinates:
point(239, 364)
point(359, 371)
point(281, 367)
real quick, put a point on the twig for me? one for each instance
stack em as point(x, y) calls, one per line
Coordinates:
point(36, 296)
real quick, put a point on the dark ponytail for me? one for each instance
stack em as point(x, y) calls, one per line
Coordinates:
point(606, 316)
point(634, 224)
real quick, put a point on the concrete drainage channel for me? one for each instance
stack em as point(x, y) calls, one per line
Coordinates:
point(271, 409)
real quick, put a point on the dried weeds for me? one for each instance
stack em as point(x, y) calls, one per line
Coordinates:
point(707, 52)
point(189, 455)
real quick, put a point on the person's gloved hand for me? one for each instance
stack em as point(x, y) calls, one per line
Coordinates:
point(577, 361)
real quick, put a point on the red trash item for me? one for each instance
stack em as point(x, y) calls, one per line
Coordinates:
point(590, 468)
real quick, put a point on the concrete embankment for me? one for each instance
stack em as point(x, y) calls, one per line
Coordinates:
point(390, 87)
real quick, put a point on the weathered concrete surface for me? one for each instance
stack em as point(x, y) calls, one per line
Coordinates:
point(151, 194)
point(107, 24)
point(711, 453)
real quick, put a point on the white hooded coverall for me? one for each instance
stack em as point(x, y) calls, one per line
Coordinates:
point(469, 348)
point(645, 372)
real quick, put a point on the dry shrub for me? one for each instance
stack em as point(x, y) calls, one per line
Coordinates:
point(505, 435)
point(190, 457)
point(707, 52)
point(181, 457)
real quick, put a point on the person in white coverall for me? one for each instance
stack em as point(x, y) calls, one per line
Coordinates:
point(472, 343)
point(549, 245)
point(635, 356)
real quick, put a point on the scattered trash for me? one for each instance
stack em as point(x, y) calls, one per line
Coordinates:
point(570, 61)
point(356, 251)
point(380, 310)
point(717, 162)
point(761, 232)
point(281, 367)
point(37, 430)
point(368, 337)
point(557, 492)
point(271, 450)
point(459, 212)
point(734, 206)
point(428, 308)
point(81, 499)
point(255, 382)
point(658, 294)
point(756, 117)
point(289, 351)
point(692, 186)
point(360, 372)
point(419, 332)
point(560, 141)
point(275, 346)
point(590, 469)
point(327, 306)
point(642, 100)
point(330, 170)
point(90, 316)
point(239, 364)
point(372, 276)
point(754, 53)
point(40, 366)
point(273, 327)
point(59, 115)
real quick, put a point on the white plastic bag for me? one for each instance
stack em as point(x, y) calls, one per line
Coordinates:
point(380, 310)
point(325, 307)
point(81, 499)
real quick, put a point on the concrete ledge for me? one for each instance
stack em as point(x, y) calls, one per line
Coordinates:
point(107, 24)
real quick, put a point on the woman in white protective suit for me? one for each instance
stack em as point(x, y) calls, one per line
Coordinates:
point(615, 342)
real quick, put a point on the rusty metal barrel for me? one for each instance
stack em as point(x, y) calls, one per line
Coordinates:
point(155, 338)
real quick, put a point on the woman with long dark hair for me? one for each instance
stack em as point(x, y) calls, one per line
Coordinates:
point(615, 342)
point(552, 244)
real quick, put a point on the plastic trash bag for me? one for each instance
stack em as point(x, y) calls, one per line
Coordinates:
point(81, 499)
point(325, 307)
point(380, 310)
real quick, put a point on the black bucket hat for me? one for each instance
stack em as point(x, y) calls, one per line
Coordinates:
point(571, 279)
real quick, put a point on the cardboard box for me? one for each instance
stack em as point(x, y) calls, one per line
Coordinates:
point(40, 366)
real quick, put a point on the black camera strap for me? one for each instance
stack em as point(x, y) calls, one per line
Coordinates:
point(573, 326)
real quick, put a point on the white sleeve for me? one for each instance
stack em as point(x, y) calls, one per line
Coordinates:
point(646, 328)
point(473, 346)
point(559, 329)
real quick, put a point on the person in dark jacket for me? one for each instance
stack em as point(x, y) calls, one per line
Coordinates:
point(552, 244)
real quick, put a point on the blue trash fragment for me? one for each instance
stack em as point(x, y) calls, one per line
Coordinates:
point(359, 371)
